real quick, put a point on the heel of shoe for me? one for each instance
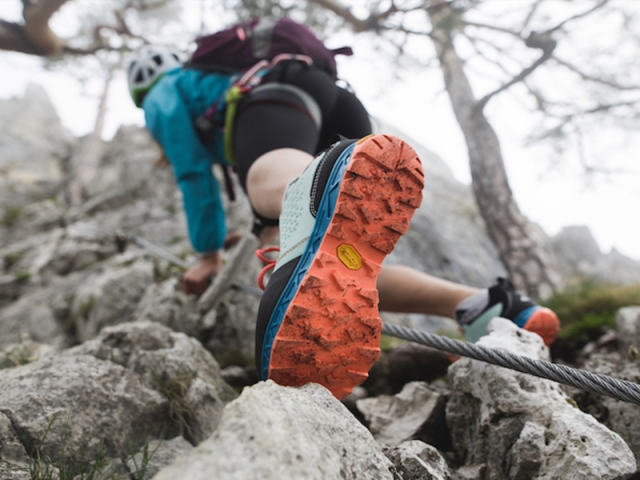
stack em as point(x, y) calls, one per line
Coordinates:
point(545, 323)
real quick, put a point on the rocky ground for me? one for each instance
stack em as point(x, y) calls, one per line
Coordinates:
point(107, 369)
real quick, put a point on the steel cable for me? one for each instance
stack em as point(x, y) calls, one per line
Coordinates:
point(591, 382)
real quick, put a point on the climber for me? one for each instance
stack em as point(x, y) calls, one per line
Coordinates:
point(339, 214)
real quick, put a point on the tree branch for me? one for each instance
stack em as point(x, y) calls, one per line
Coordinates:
point(577, 16)
point(591, 78)
point(35, 37)
point(373, 22)
point(494, 28)
point(12, 38)
point(357, 24)
point(547, 50)
point(36, 26)
point(477, 42)
point(532, 12)
point(599, 109)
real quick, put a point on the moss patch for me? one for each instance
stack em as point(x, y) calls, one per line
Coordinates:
point(586, 312)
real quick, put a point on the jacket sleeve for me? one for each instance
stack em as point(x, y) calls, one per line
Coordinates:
point(169, 122)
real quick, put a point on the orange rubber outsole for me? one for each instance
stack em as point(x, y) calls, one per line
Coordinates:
point(330, 332)
point(545, 323)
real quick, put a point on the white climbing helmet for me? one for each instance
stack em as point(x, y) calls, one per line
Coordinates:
point(145, 68)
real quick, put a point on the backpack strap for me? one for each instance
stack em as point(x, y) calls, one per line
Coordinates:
point(228, 182)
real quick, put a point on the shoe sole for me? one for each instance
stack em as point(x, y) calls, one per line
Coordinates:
point(545, 323)
point(330, 332)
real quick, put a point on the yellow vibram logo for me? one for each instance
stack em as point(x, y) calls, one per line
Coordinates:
point(349, 256)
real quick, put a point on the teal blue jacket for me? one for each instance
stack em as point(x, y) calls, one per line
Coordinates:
point(170, 108)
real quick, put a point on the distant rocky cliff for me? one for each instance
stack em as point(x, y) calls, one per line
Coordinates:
point(105, 364)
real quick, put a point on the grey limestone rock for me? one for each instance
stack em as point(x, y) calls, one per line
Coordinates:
point(579, 256)
point(33, 149)
point(622, 417)
point(127, 168)
point(110, 297)
point(394, 419)
point(525, 427)
point(165, 303)
point(628, 329)
point(83, 403)
point(171, 363)
point(159, 454)
point(274, 432)
point(416, 460)
point(32, 316)
point(14, 460)
point(23, 352)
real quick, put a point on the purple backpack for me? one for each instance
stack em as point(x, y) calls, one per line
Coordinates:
point(241, 46)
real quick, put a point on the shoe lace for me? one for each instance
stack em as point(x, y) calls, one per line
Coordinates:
point(269, 263)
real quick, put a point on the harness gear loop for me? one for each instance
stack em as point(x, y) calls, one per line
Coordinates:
point(269, 263)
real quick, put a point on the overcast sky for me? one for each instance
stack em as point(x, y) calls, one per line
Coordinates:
point(414, 104)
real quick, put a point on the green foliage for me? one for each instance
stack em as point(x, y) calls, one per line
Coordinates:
point(588, 310)
point(16, 355)
point(170, 209)
point(234, 356)
point(11, 216)
point(85, 308)
point(22, 276)
point(176, 239)
point(10, 259)
point(163, 270)
point(175, 389)
point(388, 342)
point(42, 467)
point(144, 457)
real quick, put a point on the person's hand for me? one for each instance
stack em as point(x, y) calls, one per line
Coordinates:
point(197, 278)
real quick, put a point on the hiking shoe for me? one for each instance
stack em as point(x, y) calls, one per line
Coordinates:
point(318, 319)
point(505, 302)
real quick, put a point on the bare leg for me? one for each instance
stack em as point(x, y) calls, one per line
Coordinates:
point(405, 290)
point(269, 176)
point(401, 289)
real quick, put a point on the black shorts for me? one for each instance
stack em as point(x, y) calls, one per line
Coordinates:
point(263, 124)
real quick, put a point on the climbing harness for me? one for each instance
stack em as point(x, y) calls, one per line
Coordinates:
point(269, 263)
point(222, 114)
point(242, 86)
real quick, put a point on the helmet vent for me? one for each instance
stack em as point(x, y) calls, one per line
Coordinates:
point(146, 66)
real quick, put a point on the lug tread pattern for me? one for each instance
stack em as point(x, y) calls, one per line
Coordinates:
point(331, 329)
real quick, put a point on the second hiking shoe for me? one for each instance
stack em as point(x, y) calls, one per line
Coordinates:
point(502, 300)
point(318, 320)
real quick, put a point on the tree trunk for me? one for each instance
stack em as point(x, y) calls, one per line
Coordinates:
point(86, 160)
point(523, 250)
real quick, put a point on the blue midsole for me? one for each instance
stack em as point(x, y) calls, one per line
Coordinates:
point(323, 218)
